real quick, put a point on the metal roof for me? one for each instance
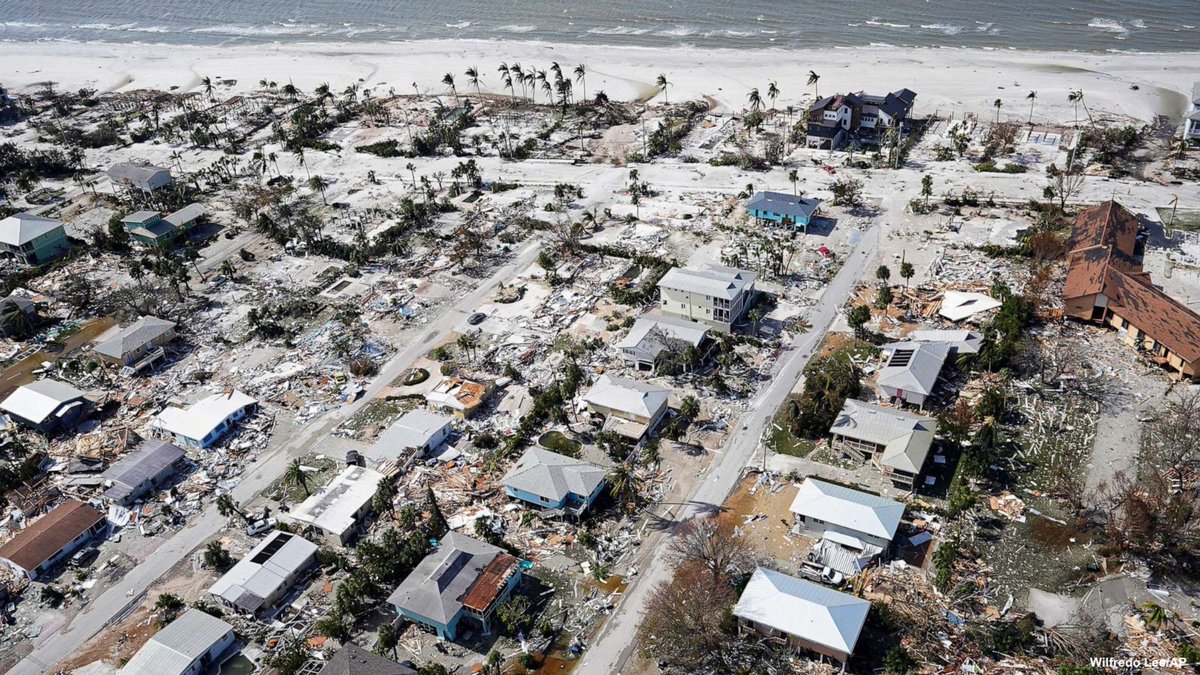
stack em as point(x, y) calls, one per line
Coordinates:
point(651, 334)
point(630, 396)
point(436, 587)
point(718, 282)
point(174, 649)
point(913, 366)
point(413, 430)
point(185, 215)
point(959, 341)
point(958, 305)
point(21, 228)
point(905, 438)
point(141, 217)
point(265, 570)
point(795, 206)
point(198, 421)
point(134, 336)
point(144, 176)
point(38, 400)
point(554, 476)
point(854, 510)
point(801, 608)
point(333, 508)
point(147, 462)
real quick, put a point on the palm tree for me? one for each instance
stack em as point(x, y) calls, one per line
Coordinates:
point(755, 315)
point(227, 508)
point(794, 176)
point(624, 483)
point(1154, 615)
point(472, 74)
point(662, 84)
point(581, 78)
point(388, 639)
point(318, 184)
point(208, 86)
point(755, 100)
point(296, 476)
point(906, 272)
point(813, 78)
point(1031, 97)
point(996, 104)
point(448, 80)
point(1074, 98)
point(519, 76)
point(412, 169)
point(772, 92)
point(299, 153)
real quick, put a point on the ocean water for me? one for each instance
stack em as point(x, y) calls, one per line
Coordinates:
point(1082, 25)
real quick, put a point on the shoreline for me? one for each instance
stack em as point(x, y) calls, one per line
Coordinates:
point(966, 79)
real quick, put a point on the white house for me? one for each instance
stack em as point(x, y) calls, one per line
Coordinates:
point(650, 336)
point(716, 296)
point(630, 407)
point(417, 430)
point(821, 507)
point(338, 508)
point(207, 420)
point(911, 371)
point(189, 645)
point(45, 405)
point(260, 580)
point(144, 177)
point(809, 616)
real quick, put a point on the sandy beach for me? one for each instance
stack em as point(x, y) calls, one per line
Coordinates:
point(966, 80)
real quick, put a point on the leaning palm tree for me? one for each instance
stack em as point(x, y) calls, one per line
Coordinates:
point(472, 74)
point(208, 86)
point(772, 92)
point(624, 483)
point(1031, 97)
point(1074, 99)
point(581, 78)
point(296, 476)
point(755, 100)
point(813, 78)
point(448, 80)
point(318, 184)
point(228, 508)
point(662, 84)
point(518, 75)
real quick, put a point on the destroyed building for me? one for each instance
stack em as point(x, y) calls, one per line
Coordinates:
point(257, 583)
point(418, 431)
point(339, 509)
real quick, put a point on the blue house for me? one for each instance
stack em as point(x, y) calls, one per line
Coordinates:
point(463, 579)
point(553, 481)
point(778, 208)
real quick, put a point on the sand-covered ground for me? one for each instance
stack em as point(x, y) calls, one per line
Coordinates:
point(964, 80)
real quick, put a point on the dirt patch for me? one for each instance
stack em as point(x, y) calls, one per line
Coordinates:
point(760, 512)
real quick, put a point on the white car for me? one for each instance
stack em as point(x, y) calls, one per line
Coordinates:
point(259, 526)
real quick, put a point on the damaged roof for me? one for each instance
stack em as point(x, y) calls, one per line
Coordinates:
point(265, 571)
point(906, 438)
point(629, 396)
point(1162, 317)
point(1109, 225)
point(149, 461)
point(436, 588)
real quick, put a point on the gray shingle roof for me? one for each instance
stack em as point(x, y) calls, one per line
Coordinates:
point(553, 476)
point(650, 334)
point(435, 588)
point(172, 650)
point(718, 282)
point(906, 438)
point(354, 660)
point(137, 334)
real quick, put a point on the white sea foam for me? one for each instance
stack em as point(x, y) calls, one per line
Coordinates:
point(874, 21)
point(617, 30)
point(514, 28)
point(943, 28)
point(677, 31)
point(459, 25)
point(1108, 26)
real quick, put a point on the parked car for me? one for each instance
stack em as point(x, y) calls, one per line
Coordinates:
point(259, 526)
point(476, 318)
point(85, 555)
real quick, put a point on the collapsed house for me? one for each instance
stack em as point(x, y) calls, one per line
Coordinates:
point(554, 482)
point(895, 442)
point(207, 420)
point(463, 578)
point(965, 306)
point(631, 408)
point(458, 396)
point(341, 507)
point(1107, 285)
point(189, 645)
point(807, 616)
point(260, 580)
point(35, 550)
point(46, 406)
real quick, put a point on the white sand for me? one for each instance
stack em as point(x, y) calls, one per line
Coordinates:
point(960, 79)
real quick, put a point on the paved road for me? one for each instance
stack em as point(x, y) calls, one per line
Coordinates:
point(616, 643)
point(113, 603)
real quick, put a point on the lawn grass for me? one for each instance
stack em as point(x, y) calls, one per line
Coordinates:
point(783, 440)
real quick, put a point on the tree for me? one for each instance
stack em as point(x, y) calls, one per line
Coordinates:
point(883, 298)
point(333, 626)
point(906, 272)
point(438, 526)
point(883, 274)
point(813, 78)
point(794, 176)
point(216, 557)
point(684, 620)
point(226, 507)
point(755, 100)
point(170, 606)
point(996, 104)
point(713, 544)
point(384, 499)
point(857, 317)
point(448, 80)
point(662, 84)
point(772, 92)
point(296, 476)
point(1031, 97)
point(388, 639)
point(318, 184)
point(927, 187)
point(847, 192)
point(755, 315)
point(472, 74)
point(624, 483)
point(581, 78)
point(1074, 98)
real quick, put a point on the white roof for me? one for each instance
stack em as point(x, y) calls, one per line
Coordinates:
point(554, 476)
point(185, 215)
point(905, 437)
point(913, 366)
point(413, 430)
point(265, 570)
point(643, 335)
point(21, 228)
point(202, 417)
point(718, 282)
point(38, 400)
point(630, 396)
point(961, 341)
point(854, 510)
point(333, 508)
point(801, 608)
point(958, 305)
point(174, 649)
